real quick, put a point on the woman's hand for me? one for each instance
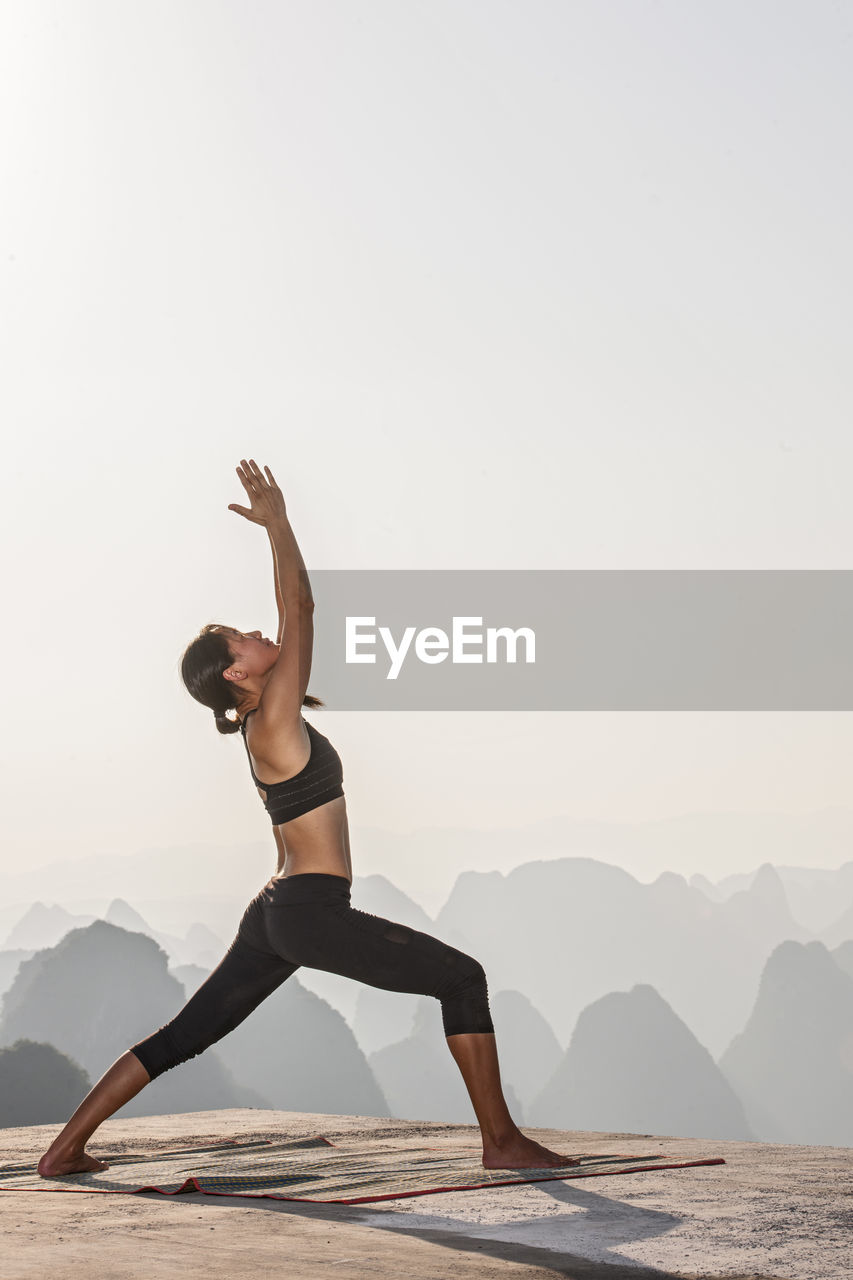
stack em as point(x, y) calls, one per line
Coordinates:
point(264, 495)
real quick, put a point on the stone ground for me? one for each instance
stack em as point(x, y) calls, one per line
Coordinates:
point(770, 1213)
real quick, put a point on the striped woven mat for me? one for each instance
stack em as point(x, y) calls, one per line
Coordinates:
point(315, 1169)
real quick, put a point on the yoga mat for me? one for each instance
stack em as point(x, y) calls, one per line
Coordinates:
point(316, 1170)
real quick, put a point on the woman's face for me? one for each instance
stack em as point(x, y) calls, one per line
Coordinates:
point(251, 652)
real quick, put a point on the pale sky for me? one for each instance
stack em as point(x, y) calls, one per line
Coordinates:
point(487, 285)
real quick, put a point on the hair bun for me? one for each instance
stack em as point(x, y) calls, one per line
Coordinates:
point(226, 723)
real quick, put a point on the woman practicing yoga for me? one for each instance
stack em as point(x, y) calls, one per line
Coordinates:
point(302, 916)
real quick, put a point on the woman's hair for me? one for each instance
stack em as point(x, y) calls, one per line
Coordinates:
point(202, 664)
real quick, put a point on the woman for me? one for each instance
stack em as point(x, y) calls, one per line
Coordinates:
point(302, 916)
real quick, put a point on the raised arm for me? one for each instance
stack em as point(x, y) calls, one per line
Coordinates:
point(289, 573)
point(288, 681)
point(279, 598)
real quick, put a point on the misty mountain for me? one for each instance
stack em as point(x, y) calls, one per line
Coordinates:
point(201, 946)
point(41, 926)
point(709, 889)
point(377, 895)
point(98, 991)
point(298, 1052)
point(633, 1066)
point(205, 946)
point(843, 957)
point(382, 1017)
point(762, 905)
point(820, 898)
point(841, 930)
point(567, 932)
point(420, 1078)
point(38, 1085)
point(124, 916)
point(10, 962)
point(792, 1065)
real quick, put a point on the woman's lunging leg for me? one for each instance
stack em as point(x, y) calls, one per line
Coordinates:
point(240, 982)
point(341, 939)
point(470, 1036)
point(66, 1154)
point(504, 1145)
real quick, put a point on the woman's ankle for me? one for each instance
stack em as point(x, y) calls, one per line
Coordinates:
point(496, 1139)
point(65, 1147)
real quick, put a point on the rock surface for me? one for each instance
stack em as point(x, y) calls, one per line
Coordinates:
point(769, 1213)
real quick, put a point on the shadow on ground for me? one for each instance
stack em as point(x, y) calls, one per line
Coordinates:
point(613, 1222)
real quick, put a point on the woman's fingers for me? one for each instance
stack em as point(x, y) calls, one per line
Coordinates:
point(253, 477)
point(256, 472)
point(260, 488)
point(248, 481)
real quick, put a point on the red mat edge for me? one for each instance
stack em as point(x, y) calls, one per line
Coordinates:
point(399, 1195)
point(508, 1182)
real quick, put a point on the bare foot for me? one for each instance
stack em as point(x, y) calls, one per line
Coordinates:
point(54, 1166)
point(519, 1152)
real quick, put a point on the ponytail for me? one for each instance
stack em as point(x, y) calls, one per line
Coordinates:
point(225, 723)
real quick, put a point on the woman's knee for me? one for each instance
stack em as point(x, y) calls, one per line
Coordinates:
point(462, 973)
point(465, 998)
point(155, 1054)
point(162, 1051)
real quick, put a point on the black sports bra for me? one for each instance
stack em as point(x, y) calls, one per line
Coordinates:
point(320, 781)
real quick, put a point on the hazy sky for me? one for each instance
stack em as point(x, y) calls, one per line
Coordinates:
point(488, 285)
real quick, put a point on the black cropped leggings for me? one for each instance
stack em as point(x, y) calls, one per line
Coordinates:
point(307, 920)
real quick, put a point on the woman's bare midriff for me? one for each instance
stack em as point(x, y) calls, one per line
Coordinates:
point(316, 842)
